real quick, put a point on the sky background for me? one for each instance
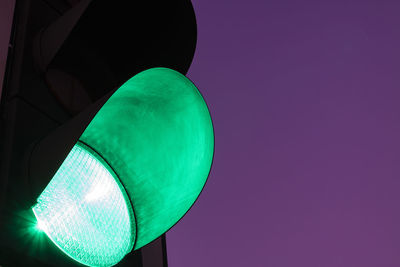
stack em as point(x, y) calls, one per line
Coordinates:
point(305, 98)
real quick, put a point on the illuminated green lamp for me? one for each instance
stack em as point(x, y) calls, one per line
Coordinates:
point(135, 171)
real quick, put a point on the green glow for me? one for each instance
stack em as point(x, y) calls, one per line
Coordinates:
point(40, 226)
point(156, 133)
point(84, 211)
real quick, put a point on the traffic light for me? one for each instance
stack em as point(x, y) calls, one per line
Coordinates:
point(133, 173)
point(106, 144)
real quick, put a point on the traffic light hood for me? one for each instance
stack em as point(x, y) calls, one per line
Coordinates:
point(139, 165)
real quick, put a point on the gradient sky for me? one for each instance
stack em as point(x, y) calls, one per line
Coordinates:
point(305, 98)
point(305, 102)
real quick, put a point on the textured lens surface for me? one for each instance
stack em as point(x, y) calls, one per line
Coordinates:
point(156, 133)
point(85, 211)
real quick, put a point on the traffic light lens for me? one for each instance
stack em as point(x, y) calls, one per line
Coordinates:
point(85, 211)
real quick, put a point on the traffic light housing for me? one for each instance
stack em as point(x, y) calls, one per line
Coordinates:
point(46, 123)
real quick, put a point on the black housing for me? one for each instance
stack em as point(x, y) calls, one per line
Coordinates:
point(65, 59)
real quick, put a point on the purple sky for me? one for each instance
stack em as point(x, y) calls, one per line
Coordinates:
point(305, 99)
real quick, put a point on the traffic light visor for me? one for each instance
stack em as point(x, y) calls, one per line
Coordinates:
point(134, 172)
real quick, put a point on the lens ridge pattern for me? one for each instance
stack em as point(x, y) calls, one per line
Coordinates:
point(85, 211)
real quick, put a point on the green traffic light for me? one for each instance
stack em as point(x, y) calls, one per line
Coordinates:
point(85, 211)
point(136, 170)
